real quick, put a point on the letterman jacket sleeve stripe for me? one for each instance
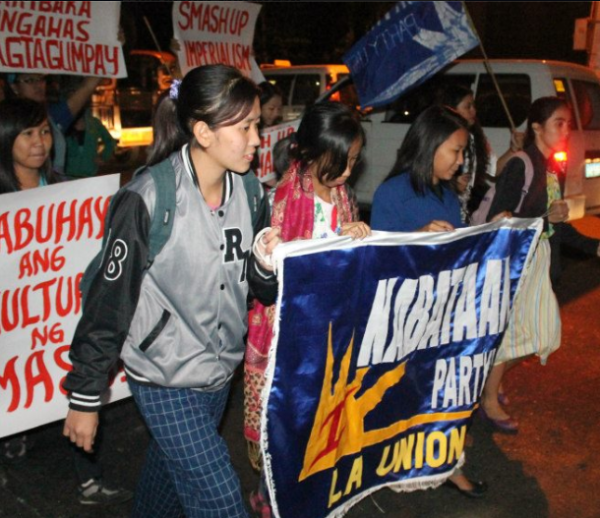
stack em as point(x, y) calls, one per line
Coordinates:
point(110, 304)
point(83, 403)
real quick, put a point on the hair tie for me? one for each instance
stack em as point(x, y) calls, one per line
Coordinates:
point(174, 90)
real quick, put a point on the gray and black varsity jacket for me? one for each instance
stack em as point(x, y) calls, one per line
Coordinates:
point(182, 322)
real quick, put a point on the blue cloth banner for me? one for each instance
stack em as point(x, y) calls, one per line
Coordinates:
point(380, 354)
point(411, 43)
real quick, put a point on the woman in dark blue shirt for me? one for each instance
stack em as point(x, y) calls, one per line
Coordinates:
point(417, 195)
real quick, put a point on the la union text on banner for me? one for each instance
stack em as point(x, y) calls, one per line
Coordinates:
point(215, 32)
point(381, 351)
point(47, 238)
point(411, 43)
point(78, 38)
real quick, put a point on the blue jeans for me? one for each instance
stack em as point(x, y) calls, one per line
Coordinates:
point(188, 470)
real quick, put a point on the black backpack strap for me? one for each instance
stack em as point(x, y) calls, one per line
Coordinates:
point(164, 179)
point(257, 201)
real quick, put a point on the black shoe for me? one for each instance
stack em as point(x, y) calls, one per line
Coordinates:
point(94, 492)
point(478, 491)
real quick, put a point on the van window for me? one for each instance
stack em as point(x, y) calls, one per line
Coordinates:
point(406, 109)
point(564, 92)
point(587, 96)
point(284, 83)
point(306, 89)
point(516, 90)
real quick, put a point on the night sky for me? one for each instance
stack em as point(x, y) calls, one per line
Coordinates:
point(321, 32)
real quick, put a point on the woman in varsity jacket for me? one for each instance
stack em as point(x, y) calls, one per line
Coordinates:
point(178, 323)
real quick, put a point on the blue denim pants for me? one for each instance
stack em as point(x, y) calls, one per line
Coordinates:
point(188, 470)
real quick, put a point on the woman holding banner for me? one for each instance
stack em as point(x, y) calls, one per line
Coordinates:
point(180, 322)
point(25, 144)
point(418, 197)
point(312, 201)
point(534, 327)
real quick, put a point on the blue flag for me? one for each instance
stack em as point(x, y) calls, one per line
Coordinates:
point(411, 43)
point(381, 351)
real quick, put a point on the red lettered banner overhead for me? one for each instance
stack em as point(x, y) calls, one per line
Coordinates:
point(216, 32)
point(78, 38)
point(47, 238)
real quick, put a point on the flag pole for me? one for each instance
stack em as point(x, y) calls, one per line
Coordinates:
point(488, 67)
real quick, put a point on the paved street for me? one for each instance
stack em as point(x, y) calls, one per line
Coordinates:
point(547, 470)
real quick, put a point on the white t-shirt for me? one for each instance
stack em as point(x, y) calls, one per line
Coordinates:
point(326, 222)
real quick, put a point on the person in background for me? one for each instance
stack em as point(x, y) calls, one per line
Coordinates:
point(281, 162)
point(418, 197)
point(88, 144)
point(271, 104)
point(61, 114)
point(482, 166)
point(25, 144)
point(180, 370)
point(312, 201)
point(535, 326)
point(481, 163)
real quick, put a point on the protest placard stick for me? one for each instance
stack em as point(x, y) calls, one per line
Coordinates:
point(153, 36)
point(488, 67)
point(165, 64)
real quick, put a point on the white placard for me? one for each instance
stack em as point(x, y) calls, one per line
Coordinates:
point(48, 236)
point(216, 32)
point(79, 38)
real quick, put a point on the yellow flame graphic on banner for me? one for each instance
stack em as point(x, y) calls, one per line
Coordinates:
point(338, 428)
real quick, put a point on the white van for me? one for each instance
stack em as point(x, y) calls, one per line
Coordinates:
point(301, 85)
point(521, 81)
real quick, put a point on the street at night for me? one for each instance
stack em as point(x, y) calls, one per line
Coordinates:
point(348, 214)
point(547, 470)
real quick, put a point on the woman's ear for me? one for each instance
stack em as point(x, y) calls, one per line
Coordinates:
point(536, 127)
point(203, 134)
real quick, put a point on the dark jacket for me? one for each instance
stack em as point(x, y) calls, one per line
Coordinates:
point(510, 184)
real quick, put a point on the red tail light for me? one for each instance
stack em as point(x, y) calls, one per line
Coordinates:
point(560, 157)
point(558, 163)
